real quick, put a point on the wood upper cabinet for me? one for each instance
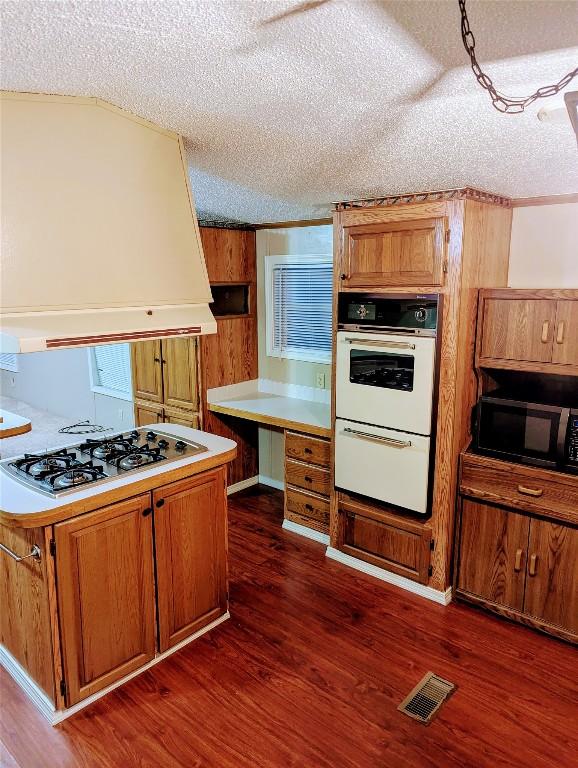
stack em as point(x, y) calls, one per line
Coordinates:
point(565, 345)
point(493, 553)
point(180, 373)
point(552, 581)
point(529, 330)
point(394, 253)
point(164, 373)
point(146, 371)
point(518, 329)
point(104, 567)
point(191, 546)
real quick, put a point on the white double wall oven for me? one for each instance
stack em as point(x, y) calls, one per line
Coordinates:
point(385, 386)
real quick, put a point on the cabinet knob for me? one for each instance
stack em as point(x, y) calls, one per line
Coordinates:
point(309, 507)
point(307, 479)
point(146, 512)
point(160, 503)
point(308, 450)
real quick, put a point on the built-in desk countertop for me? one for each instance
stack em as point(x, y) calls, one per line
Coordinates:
point(248, 400)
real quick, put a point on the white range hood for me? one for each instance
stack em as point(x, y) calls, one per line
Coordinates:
point(100, 241)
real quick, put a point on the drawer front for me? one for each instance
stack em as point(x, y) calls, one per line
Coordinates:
point(533, 490)
point(382, 543)
point(307, 476)
point(307, 505)
point(308, 449)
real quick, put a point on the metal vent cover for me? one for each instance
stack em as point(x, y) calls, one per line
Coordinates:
point(424, 701)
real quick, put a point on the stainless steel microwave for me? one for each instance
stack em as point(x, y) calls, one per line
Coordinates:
point(545, 435)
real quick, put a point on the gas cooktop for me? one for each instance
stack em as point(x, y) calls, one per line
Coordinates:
point(97, 460)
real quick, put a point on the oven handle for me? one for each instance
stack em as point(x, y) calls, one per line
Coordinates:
point(378, 343)
point(378, 438)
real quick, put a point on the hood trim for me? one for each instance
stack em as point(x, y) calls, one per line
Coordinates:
point(112, 338)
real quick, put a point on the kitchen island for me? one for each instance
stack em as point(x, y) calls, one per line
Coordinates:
point(90, 597)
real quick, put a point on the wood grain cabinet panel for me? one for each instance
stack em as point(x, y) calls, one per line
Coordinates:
point(493, 553)
point(147, 413)
point(518, 329)
point(399, 253)
point(146, 371)
point(552, 580)
point(308, 476)
point(386, 540)
point(190, 546)
point(565, 349)
point(184, 418)
point(307, 448)
point(180, 373)
point(104, 567)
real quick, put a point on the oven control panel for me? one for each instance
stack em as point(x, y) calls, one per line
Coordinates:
point(414, 313)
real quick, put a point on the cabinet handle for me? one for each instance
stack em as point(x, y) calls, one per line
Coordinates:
point(536, 492)
point(308, 479)
point(560, 333)
point(533, 563)
point(545, 331)
point(518, 560)
point(34, 553)
point(157, 359)
point(160, 503)
point(146, 512)
point(308, 450)
point(309, 507)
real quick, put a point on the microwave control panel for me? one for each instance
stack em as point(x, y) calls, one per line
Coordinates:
point(573, 439)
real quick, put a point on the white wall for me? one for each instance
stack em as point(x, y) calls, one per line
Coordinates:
point(544, 247)
point(285, 241)
point(58, 382)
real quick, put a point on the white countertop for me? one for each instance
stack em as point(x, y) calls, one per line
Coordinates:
point(19, 499)
point(13, 423)
point(246, 401)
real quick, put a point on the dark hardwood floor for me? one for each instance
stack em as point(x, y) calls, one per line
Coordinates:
point(309, 672)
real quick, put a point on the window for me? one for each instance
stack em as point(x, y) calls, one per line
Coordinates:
point(8, 361)
point(298, 304)
point(109, 366)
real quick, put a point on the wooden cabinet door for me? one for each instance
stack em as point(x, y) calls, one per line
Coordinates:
point(565, 350)
point(394, 253)
point(191, 545)
point(180, 373)
point(147, 380)
point(493, 551)
point(518, 329)
point(184, 418)
point(104, 571)
point(147, 413)
point(552, 580)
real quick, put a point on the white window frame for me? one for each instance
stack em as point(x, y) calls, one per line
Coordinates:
point(271, 262)
point(9, 362)
point(94, 378)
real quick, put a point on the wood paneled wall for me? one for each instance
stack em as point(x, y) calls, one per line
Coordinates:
point(230, 356)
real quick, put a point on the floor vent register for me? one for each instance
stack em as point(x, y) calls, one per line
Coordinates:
point(425, 700)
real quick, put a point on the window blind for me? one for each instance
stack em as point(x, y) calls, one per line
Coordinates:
point(301, 311)
point(112, 367)
point(8, 361)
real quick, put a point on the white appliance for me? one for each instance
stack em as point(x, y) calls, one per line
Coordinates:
point(385, 380)
point(100, 241)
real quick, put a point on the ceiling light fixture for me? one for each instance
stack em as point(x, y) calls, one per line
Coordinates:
point(511, 105)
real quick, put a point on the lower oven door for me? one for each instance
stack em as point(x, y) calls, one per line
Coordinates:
point(383, 464)
point(385, 379)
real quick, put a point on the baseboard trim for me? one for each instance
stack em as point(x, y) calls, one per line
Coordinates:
point(21, 677)
point(270, 481)
point(435, 595)
point(242, 484)
point(46, 707)
point(308, 533)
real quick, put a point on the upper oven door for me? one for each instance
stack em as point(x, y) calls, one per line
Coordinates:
point(385, 379)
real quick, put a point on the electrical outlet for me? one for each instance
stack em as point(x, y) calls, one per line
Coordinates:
point(320, 380)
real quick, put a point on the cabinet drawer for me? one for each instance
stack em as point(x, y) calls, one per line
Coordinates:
point(521, 487)
point(305, 448)
point(386, 541)
point(307, 476)
point(307, 505)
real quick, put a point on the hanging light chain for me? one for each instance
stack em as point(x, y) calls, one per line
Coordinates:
point(511, 105)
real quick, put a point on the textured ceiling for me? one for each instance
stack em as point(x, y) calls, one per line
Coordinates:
point(287, 105)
